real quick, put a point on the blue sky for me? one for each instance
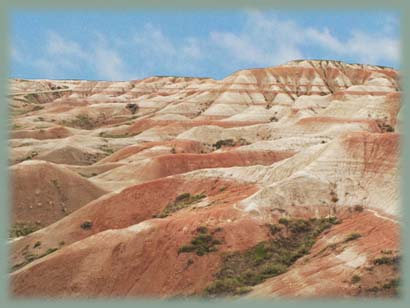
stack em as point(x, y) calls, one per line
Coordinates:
point(123, 45)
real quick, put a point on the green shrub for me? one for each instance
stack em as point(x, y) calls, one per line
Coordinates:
point(224, 286)
point(274, 269)
point(395, 260)
point(37, 244)
point(355, 278)
point(225, 142)
point(299, 226)
point(283, 221)
point(202, 243)
point(358, 208)
point(86, 225)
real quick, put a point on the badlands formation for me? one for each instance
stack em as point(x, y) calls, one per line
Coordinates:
point(272, 182)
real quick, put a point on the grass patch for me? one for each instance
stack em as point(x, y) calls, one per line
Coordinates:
point(23, 229)
point(203, 243)
point(243, 269)
point(182, 201)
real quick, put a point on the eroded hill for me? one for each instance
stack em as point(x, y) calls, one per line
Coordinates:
point(282, 181)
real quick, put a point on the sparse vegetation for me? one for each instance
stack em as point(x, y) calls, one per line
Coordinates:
point(358, 208)
point(132, 107)
point(385, 127)
point(203, 243)
point(283, 221)
point(182, 201)
point(274, 228)
point(385, 260)
point(241, 270)
point(225, 142)
point(393, 283)
point(22, 229)
point(29, 257)
point(107, 135)
point(37, 244)
point(86, 225)
point(352, 237)
point(230, 143)
point(355, 279)
point(81, 121)
point(105, 148)
point(273, 119)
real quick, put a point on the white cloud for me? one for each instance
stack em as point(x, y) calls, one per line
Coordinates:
point(263, 40)
point(59, 46)
point(16, 54)
point(372, 48)
point(109, 65)
point(267, 40)
point(191, 48)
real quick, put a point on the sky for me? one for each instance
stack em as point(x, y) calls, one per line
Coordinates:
point(128, 45)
